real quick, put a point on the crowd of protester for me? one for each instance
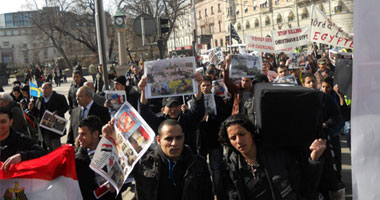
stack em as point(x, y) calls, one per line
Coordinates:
point(175, 167)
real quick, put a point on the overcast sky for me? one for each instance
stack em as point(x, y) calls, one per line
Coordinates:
point(21, 5)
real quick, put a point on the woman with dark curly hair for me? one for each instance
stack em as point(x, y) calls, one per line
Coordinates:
point(258, 173)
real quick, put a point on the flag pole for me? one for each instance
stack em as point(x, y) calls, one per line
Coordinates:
point(230, 38)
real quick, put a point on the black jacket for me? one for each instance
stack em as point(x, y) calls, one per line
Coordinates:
point(73, 95)
point(280, 175)
point(150, 170)
point(16, 143)
point(19, 124)
point(189, 120)
point(86, 177)
point(57, 103)
point(95, 109)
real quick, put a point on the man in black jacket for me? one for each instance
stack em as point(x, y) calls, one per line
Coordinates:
point(77, 83)
point(170, 171)
point(171, 109)
point(86, 107)
point(88, 137)
point(15, 147)
point(55, 103)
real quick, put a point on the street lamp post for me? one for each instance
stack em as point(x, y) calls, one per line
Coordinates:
point(101, 38)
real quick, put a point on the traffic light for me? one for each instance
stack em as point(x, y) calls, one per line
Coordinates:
point(163, 26)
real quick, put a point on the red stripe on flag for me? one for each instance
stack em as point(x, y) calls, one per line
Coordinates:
point(60, 162)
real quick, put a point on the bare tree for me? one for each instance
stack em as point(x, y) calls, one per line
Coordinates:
point(171, 9)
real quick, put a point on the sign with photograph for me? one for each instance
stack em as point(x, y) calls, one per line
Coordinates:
point(210, 105)
point(53, 123)
point(245, 66)
point(116, 156)
point(170, 77)
point(297, 61)
point(215, 56)
point(115, 99)
point(219, 88)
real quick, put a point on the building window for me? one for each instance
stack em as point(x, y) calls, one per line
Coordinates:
point(200, 15)
point(263, 4)
point(5, 33)
point(245, 7)
point(46, 53)
point(221, 42)
point(212, 10)
point(279, 19)
point(291, 17)
point(267, 21)
point(206, 12)
point(219, 10)
point(305, 14)
point(220, 26)
point(276, 2)
point(238, 26)
point(203, 30)
point(338, 9)
point(24, 46)
point(6, 44)
point(211, 26)
point(247, 25)
point(237, 12)
point(216, 42)
point(257, 23)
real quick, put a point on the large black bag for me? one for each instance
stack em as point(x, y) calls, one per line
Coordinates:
point(287, 115)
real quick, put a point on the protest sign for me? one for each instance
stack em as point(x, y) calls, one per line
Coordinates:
point(263, 44)
point(170, 77)
point(210, 105)
point(245, 66)
point(219, 88)
point(115, 99)
point(323, 30)
point(291, 38)
point(52, 176)
point(53, 123)
point(290, 79)
point(297, 61)
point(215, 56)
point(116, 155)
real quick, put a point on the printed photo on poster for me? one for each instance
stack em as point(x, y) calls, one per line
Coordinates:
point(170, 77)
point(53, 123)
point(210, 104)
point(297, 61)
point(215, 56)
point(115, 99)
point(220, 89)
point(245, 66)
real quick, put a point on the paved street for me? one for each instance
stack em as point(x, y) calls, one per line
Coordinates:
point(346, 154)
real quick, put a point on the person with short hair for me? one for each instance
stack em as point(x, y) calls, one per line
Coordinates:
point(86, 107)
point(7, 102)
point(55, 103)
point(15, 147)
point(78, 82)
point(322, 72)
point(170, 171)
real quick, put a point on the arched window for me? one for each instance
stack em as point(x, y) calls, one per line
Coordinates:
point(279, 19)
point(247, 25)
point(305, 13)
point(257, 23)
point(238, 26)
point(291, 17)
point(267, 21)
point(216, 42)
point(221, 42)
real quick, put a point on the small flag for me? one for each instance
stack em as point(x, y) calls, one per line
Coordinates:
point(234, 34)
point(34, 91)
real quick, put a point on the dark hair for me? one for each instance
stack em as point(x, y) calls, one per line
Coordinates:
point(92, 122)
point(6, 111)
point(310, 75)
point(206, 78)
point(282, 66)
point(329, 81)
point(77, 72)
point(168, 122)
point(239, 119)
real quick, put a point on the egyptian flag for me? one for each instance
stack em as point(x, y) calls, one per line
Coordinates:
point(52, 176)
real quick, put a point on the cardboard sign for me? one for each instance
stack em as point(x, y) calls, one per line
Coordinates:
point(291, 38)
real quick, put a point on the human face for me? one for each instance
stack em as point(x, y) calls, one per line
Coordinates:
point(171, 141)
point(118, 86)
point(322, 67)
point(246, 83)
point(173, 111)
point(241, 139)
point(5, 124)
point(87, 139)
point(77, 79)
point(282, 72)
point(82, 99)
point(310, 82)
point(46, 90)
point(326, 88)
point(206, 87)
point(16, 93)
point(266, 67)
